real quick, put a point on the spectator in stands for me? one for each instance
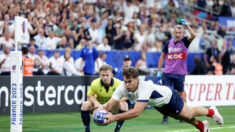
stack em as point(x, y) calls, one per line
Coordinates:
point(55, 64)
point(233, 8)
point(141, 37)
point(110, 31)
point(202, 4)
point(141, 63)
point(89, 54)
point(118, 37)
point(217, 66)
point(200, 67)
point(222, 31)
point(6, 40)
point(42, 62)
point(41, 39)
point(32, 55)
point(233, 65)
point(69, 66)
point(62, 44)
point(47, 26)
point(79, 65)
point(59, 32)
point(52, 41)
point(34, 27)
point(216, 8)
point(160, 35)
point(5, 62)
point(104, 46)
point(100, 62)
point(225, 9)
point(126, 63)
point(81, 44)
point(212, 51)
point(32, 43)
point(129, 40)
point(226, 57)
point(27, 63)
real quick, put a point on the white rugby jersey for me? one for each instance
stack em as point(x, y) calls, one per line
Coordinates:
point(155, 95)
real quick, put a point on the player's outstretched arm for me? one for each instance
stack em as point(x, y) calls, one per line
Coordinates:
point(112, 102)
point(138, 108)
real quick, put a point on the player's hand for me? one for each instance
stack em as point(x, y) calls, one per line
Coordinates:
point(184, 22)
point(110, 118)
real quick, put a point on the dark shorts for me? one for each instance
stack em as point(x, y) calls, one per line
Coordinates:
point(173, 80)
point(175, 105)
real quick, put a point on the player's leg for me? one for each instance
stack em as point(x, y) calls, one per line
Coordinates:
point(122, 107)
point(167, 81)
point(85, 114)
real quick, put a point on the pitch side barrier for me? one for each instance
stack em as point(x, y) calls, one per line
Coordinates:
point(47, 93)
point(65, 94)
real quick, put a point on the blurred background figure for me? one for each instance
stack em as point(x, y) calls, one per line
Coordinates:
point(125, 63)
point(100, 62)
point(200, 67)
point(5, 62)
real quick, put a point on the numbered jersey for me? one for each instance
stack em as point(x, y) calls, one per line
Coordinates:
point(155, 95)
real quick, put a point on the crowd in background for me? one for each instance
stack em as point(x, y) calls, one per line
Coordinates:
point(107, 25)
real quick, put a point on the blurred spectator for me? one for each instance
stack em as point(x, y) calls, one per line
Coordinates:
point(69, 66)
point(62, 44)
point(202, 4)
point(34, 27)
point(59, 32)
point(32, 43)
point(141, 38)
point(40, 39)
point(7, 41)
point(89, 54)
point(141, 63)
point(200, 67)
point(100, 62)
point(110, 31)
point(126, 63)
point(226, 57)
point(5, 62)
point(233, 8)
point(233, 65)
point(104, 46)
point(212, 51)
point(222, 31)
point(52, 41)
point(81, 44)
point(42, 62)
point(55, 64)
point(79, 65)
point(27, 63)
point(225, 9)
point(118, 38)
point(217, 66)
point(47, 26)
point(129, 40)
point(32, 55)
point(160, 35)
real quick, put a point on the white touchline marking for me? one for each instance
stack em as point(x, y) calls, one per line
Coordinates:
point(215, 128)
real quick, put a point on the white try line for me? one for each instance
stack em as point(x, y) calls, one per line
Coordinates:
point(215, 128)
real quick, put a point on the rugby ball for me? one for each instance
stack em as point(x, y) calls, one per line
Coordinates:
point(98, 117)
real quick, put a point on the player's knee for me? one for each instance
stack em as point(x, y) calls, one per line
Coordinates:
point(85, 105)
point(123, 106)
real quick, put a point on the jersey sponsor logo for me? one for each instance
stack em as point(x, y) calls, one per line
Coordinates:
point(171, 49)
point(177, 56)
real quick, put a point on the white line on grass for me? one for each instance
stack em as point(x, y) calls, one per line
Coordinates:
point(215, 128)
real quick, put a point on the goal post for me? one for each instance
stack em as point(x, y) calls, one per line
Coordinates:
point(21, 36)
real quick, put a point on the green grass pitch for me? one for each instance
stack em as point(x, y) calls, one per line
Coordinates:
point(148, 121)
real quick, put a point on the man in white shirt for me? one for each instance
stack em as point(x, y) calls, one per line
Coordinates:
point(104, 46)
point(100, 62)
point(56, 64)
point(41, 39)
point(7, 41)
point(164, 99)
point(33, 56)
point(52, 41)
point(5, 62)
point(43, 63)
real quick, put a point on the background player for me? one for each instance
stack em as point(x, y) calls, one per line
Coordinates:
point(99, 93)
point(175, 68)
point(163, 98)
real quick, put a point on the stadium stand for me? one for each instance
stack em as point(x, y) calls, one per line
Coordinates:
point(130, 26)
